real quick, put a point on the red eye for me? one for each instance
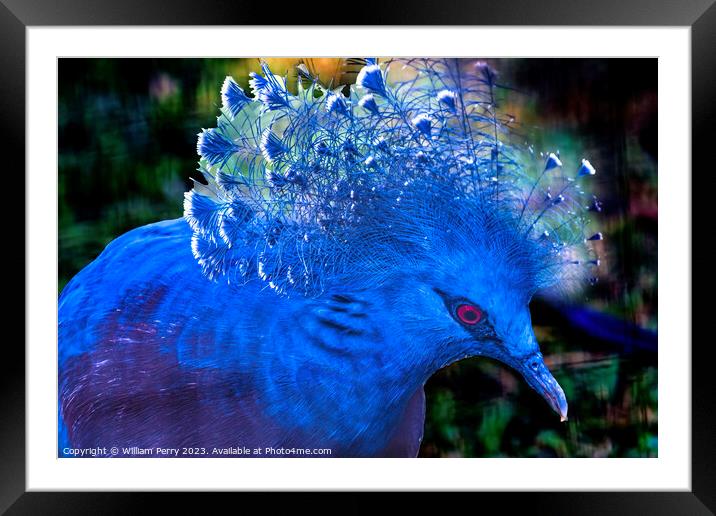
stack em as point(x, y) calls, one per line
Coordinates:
point(469, 314)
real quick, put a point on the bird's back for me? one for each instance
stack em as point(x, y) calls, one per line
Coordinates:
point(141, 347)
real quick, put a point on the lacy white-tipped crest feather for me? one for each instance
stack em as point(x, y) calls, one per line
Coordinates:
point(307, 189)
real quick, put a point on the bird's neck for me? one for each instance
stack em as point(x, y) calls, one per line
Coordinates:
point(337, 381)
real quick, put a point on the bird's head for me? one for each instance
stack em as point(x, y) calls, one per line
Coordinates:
point(470, 297)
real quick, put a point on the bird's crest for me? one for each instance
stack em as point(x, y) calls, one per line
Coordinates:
point(317, 186)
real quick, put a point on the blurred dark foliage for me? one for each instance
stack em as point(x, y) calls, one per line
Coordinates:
point(127, 137)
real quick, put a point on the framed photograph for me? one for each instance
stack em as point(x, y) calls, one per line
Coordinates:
point(420, 256)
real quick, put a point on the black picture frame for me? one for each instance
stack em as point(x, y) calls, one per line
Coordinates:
point(17, 15)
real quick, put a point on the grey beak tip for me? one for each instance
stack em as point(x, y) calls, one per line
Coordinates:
point(540, 378)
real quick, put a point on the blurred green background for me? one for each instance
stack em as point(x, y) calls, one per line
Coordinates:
point(127, 151)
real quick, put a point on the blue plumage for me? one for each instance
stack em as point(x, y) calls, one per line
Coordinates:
point(342, 249)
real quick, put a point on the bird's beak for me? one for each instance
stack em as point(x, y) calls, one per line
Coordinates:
point(541, 380)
